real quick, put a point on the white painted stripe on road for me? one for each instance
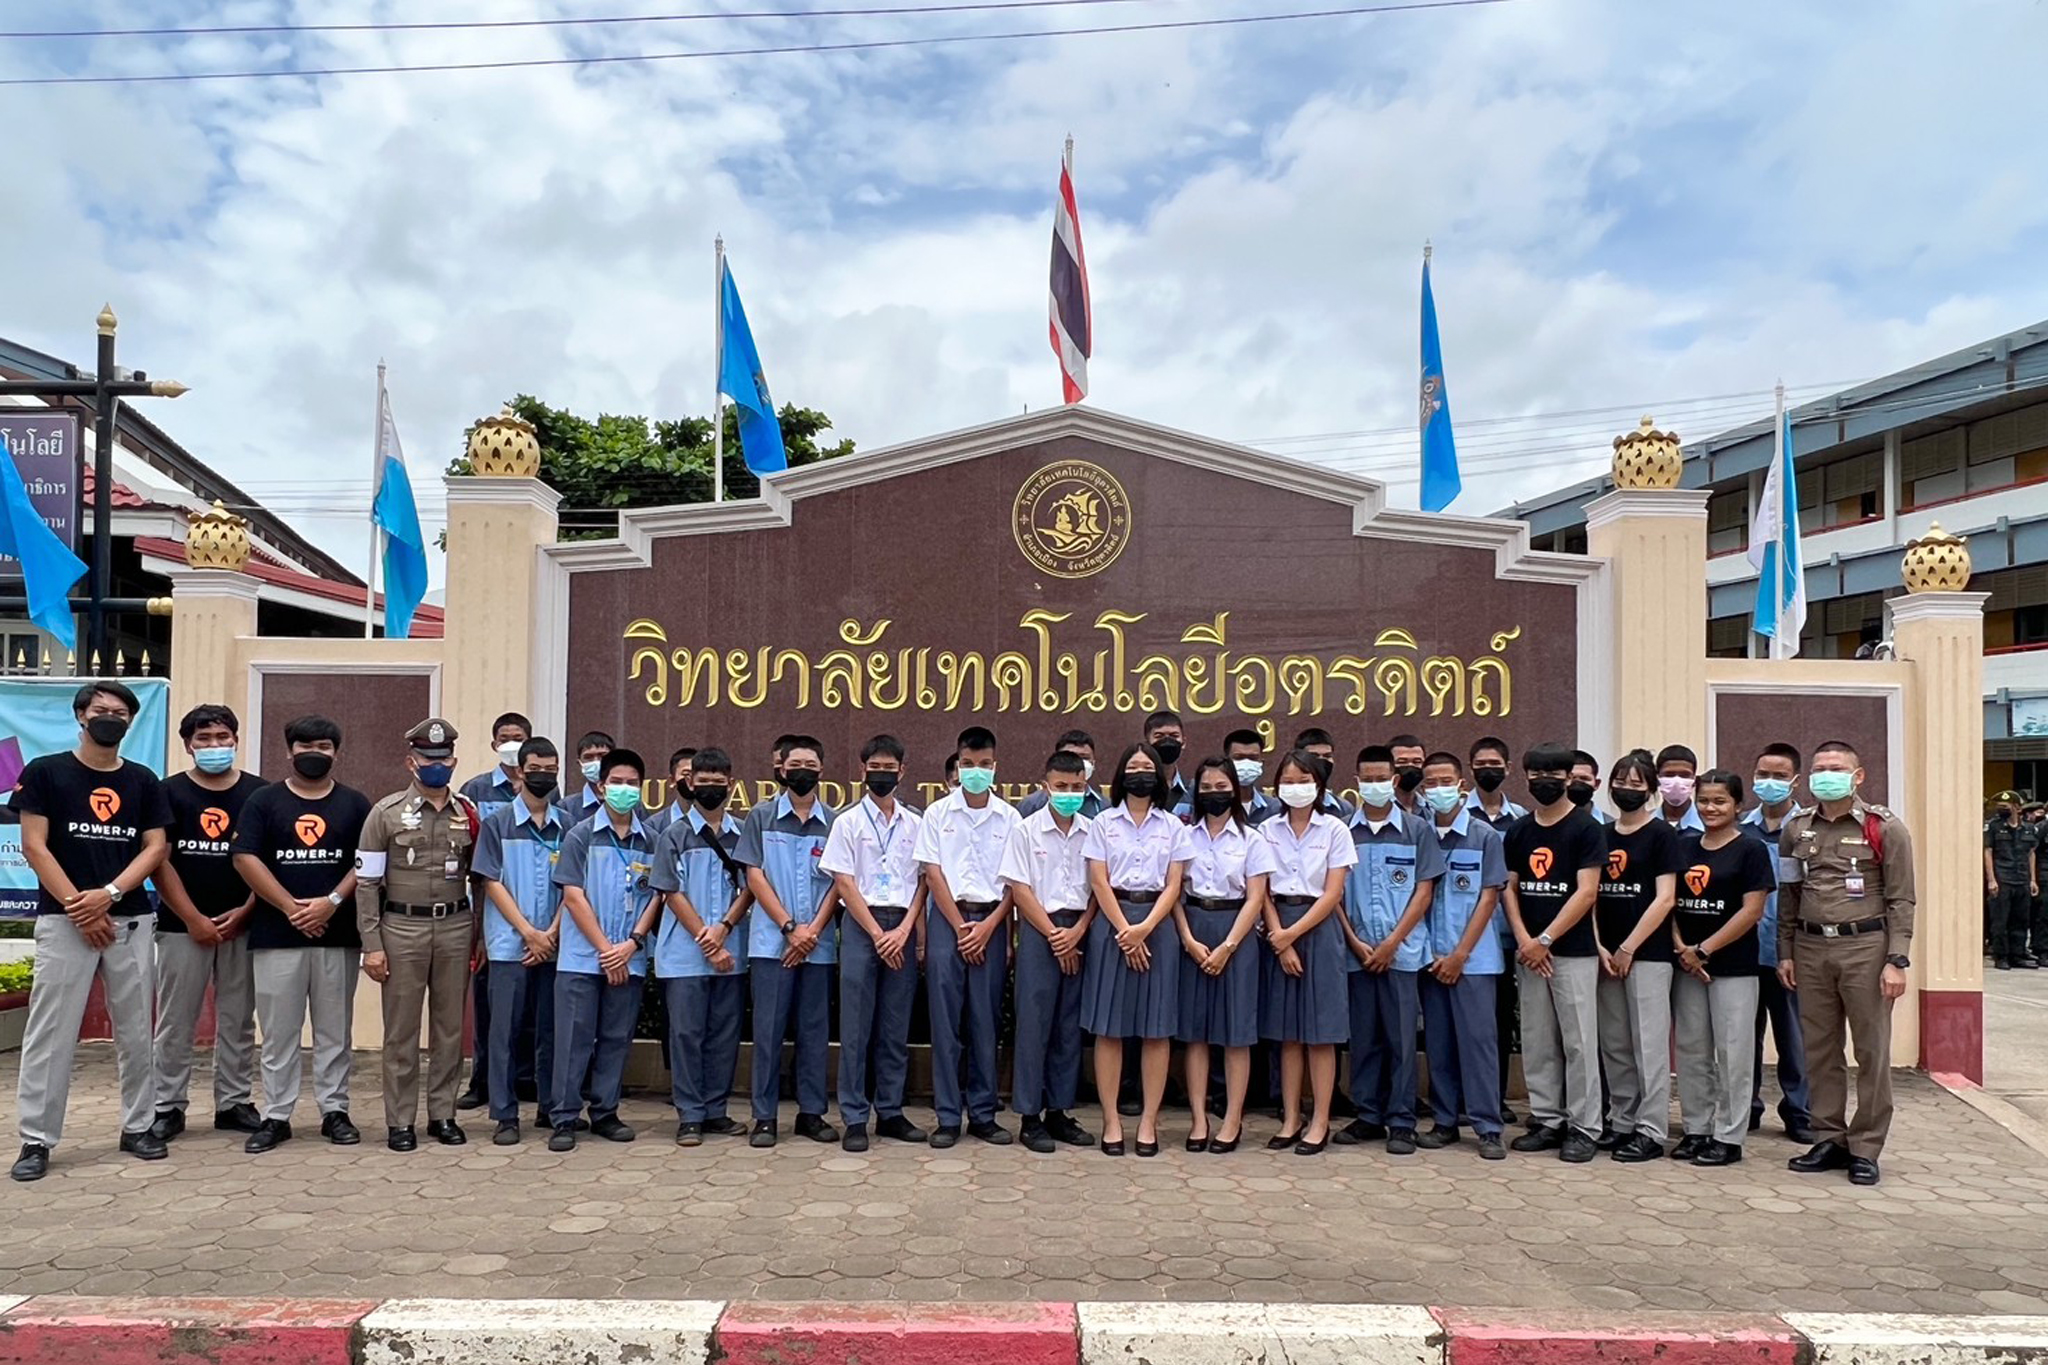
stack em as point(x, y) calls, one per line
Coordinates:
point(1250, 1333)
point(1910, 1339)
point(10, 1301)
point(539, 1331)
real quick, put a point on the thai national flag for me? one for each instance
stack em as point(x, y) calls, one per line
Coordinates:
point(1072, 324)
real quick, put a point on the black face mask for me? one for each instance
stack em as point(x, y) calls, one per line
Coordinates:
point(710, 795)
point(107, 730)
point(1169, 751)
point(1581, 793)
point(801, 781)
point(1546, 791)
point(1408, 779)
point(1489, 779)
point(1213, 803)
point(312, 765)
point(881, 784)
point(539, 784)
point(1629, 798)
point(1141, 784)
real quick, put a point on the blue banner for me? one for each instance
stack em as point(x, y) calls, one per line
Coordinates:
point(36, 719)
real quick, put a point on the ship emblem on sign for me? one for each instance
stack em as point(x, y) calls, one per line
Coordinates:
point(1071, 519)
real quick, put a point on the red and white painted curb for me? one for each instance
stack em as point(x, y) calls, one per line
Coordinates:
point(190, 1331)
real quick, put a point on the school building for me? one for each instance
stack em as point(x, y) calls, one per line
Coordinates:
point(1961, 440)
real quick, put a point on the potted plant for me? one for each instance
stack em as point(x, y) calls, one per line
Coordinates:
point(15, 979)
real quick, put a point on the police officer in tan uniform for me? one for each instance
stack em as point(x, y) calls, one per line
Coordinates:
point(419, 931)
point(1845, 927)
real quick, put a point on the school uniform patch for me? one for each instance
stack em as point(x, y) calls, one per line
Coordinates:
point(1464, 881)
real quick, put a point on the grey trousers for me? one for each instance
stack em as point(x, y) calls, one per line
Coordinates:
point(1716, 1026)
point(183, 971)
point(292, 983)
point(65, 968)
point(1561, 1043)
point(1635, 1050)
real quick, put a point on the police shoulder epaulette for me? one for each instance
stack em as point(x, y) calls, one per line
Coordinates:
point(1882, 812)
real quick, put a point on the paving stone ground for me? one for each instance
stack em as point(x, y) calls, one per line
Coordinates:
point(1960, 1224)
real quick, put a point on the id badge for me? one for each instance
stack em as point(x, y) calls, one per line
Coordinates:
point(453, 867)
point(1852, 886)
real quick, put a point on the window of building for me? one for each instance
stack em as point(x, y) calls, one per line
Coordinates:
point(2004, 451)
point(1842, 492)
point(1728, 521)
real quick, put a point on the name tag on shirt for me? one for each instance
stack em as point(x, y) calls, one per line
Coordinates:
point(1852, 886)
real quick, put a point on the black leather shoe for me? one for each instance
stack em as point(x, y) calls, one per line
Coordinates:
point(237, 1118)
point(268, 1135)
point(447, 1132)
point(689, 1134)
point(337, 1129)
point(1756, 1120)
point(1065, 1128)
point(945, 1135)
point(1800, 1133)
point(402, 1140)
point(1401, 1142)
point(1436, 1137)
point(563, 1139)
point(1719, 1154)
point(1508, 1114)
point(1577, 1149)
point(474, 1097)
point(2025, 964)
point(856, 1139)
point(1490, 1148)
point(1863, 1170)
point(2003, 964)
point(613, 1129)
point(1690, 1146)
point(168, 1125)
point(1130, 1108)
point(32, 1164)
point(1034, 1137)
point(763, 1135)
point(507, 1134)
point(1639, 1148)
point(1540, 1140)
point(1280, 1142)
point(1609, 1140)
point(724, 1126)
point(145, 1145)
point(901, 1129)
point(814, 1127)
point(1357, 1131)
point(991, 1132)
point(1824, 1156)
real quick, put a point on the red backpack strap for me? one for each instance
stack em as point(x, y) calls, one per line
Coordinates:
point(1873, 834)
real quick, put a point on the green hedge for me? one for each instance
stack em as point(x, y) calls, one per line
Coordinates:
point(17, 928)
point(16, 976)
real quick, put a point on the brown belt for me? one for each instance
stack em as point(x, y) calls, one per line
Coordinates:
point(1849, 930)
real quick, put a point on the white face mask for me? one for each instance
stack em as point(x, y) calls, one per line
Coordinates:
point(1295, 795)
point(508, 753)
point(1249, 771)
point(591, 768)
point(1087, 770)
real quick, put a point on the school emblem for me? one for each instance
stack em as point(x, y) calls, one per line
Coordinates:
point(105, 803)
point(1071, 519)
point(214, 821)
point(1539, 863)
point(309, 828)
point(1696, 878)
point(1398, 876)
point(1464, 882)
point(1617, 863)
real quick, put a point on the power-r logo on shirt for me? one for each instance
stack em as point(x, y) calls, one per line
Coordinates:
point(105, 803)
point(1540, 861)
point(1617, 863)
point(1697, 877)
point(213, 821)
point(309, 828)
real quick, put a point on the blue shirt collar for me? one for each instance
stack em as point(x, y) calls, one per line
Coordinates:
point(601, 823)
point(700, 824)
point(550, 814)
point(1395, 817)
point(1461, 823)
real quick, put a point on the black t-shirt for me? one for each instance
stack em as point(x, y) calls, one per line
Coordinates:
point(97, 820)
point(1545, 861)
point(1711, 885)
point(309, 846)
point(1628, 884)
point(203, 824)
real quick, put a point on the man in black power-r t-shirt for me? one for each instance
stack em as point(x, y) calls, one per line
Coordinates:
point(1554, 857)
point(92, 827)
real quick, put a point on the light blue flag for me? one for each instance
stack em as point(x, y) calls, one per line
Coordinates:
point(1440, 481)
point(741, 379)
point(48, 570)
point(1780, 613)
point(398, 517)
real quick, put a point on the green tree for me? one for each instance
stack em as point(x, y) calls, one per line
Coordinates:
point(615, 461)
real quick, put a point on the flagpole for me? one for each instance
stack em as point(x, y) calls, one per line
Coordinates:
point(376, 474)
point(1778, 601)
point(718, 370)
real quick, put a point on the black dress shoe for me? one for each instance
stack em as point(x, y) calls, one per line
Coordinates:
point(1863, 1170)
point(1130, 1108)
point(1196, 1144)
point(1221, 1147)
point(32, 1164)
point(1280, 1142)
point(1032, 1133)
point(1609, 1140)
point(402, 1140)
point(1639, 1147)
point(1540, 1140)
point(1438, 1136)
point(1400, 1142)
point(145, 1145)
point(763, 1134)
point(1690, 1146)
point(1357, 1131)
point(2025, 964)
point(689, 1134)
point(991, 1132)
point(507, 1134)
point(1756, 1120)
point(1307, 1148)
point(1508, 1114)
point(945, 1135)
point(168, 1125)
point(563, 1139)
point(268, 1135)
point(724, 1126)
point(901, 1129)
point(472, 1098)
point(1800, 1133)
point(1577, 1148)
point(814, 1127)
point(1065, 1128)
point(856, 1139)
point(337, 1129)
point(1719, 1154)
point(612, 1128)
point(447, 1132)
point(1824, 1156)
point(2003, 964)
point(237, 1118)
point(1143, 1148)
point(1112, 1148)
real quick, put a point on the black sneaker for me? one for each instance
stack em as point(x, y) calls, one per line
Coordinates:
point(145, 1145)
point(1401, 1142)
point(1689, 1146)
point(1491, 1149)
point(1065, 1128)
point(1540, 1139)
point(507, 1134)
point(815, 1127)
point(945, 1135)
point(237, 1118)
point(474, 1097)
point(169, 1123)
point(763, 1134)
point(724, 1126)
point(1437, 1137)
point(689, 1134)
point(1034, 1137)
point(1357, 1131)
point(268, 1135)
point(901, 1129)
point(1719, 1154)
point(1639, 1148)
point(856, 1139)
point(1609, 1140)
point(1577, 1149)
point(337, 1129)
point(563, 1139)
point(612, 1129)
point(991, 1132)
point(32, 1164)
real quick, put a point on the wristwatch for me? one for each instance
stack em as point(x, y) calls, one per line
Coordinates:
point(639, 939)
point(334, 899)
point(1543, 940)
point(1899, 960)
point(114, 892)
point(1699, 950)
point(788, 927)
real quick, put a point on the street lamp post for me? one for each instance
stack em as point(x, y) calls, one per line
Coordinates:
point(106, 389)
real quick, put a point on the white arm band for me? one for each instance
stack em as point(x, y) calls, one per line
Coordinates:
point(369, 866)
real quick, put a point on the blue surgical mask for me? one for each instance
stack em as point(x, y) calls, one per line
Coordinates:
point(977, 781)
point(1443, 800)
point(434, 775)
point(623, 799)
point(214, 760)
point(1376, 794)
point(1832, 786)
point(590, 769)
point(1772, 790)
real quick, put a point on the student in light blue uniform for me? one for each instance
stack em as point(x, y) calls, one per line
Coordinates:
point(1385, 898)
point(490, 792)
point(1245, 751)
point(703, 979)
point(1777, 773)
point(1464, 956)
point(1317, 741)
point(793, 940)
point(1081, 744)
point(582, 798)
point(1489, 757)
point(1409, 751)
point(516, 855)
point(1583, 784)
point(1677, 772)
point(678, 789)
point(603, 873)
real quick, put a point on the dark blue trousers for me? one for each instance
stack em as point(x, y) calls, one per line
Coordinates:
point(966, 1003)
point(1458, 1027)
point(1047, 1067)
point(703, 1042)
point(1383, 1018)
point(874, 1022)
point(786, 1000)
point(593, 1033)
point(513, 989)
point(1780, 1008)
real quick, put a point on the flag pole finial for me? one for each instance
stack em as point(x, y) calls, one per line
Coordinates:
point(1426, 249)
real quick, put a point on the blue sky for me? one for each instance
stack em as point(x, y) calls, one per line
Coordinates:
point(1634, 207)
